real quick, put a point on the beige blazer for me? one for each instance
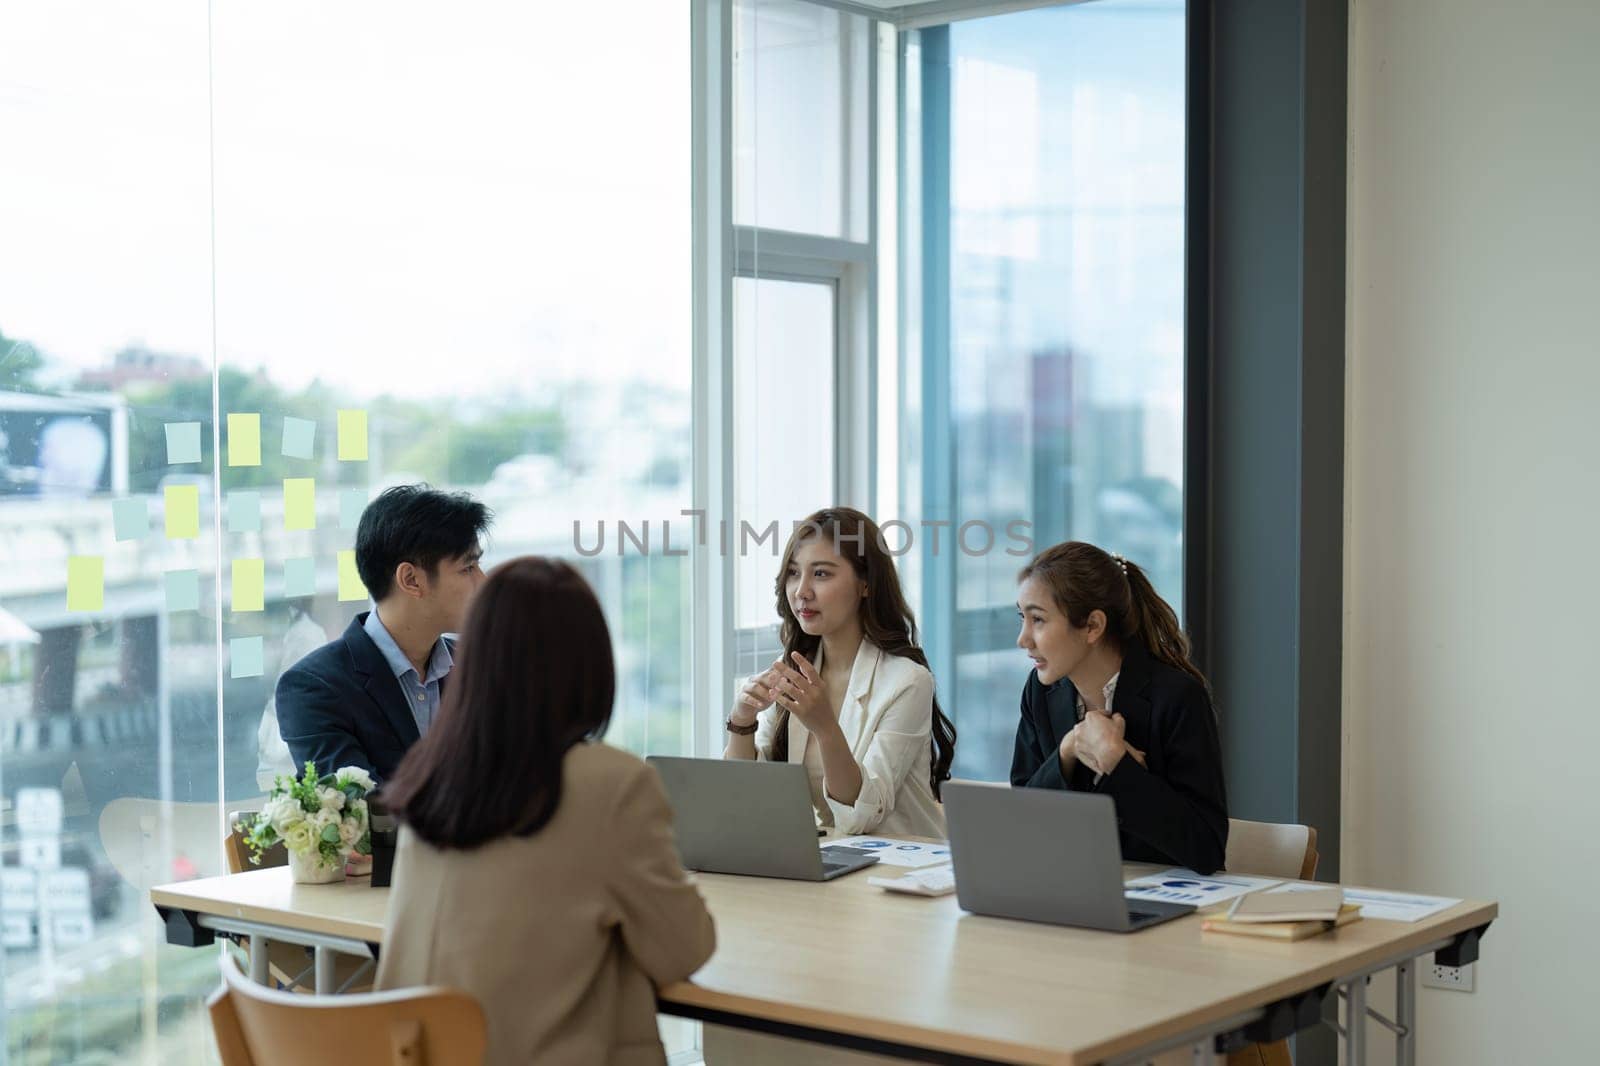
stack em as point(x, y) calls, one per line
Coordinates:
point(887, 717)
point(561, 936)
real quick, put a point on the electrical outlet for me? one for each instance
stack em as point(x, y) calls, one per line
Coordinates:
point(1455, 978)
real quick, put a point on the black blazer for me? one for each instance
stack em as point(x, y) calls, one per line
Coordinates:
point(342, 706)
point(1174, 811)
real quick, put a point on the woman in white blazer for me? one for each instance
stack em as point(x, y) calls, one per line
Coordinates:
point(852, 699)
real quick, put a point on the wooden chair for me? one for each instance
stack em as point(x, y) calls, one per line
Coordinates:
point(1268, 849)
point(289, 965)
point(257, 1026)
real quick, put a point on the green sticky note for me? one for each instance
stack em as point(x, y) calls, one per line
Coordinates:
point(244, 512)
point(353, 436)
point(182, 504)
point(183, 590)
point(249, 584)
point(247, 657)
point(351, 503)
point(300, 577)
point(183, 442)
point(299, 503)
point(130, 519)
point(244, 440)
point(350, 586)
point(299, 438)
point(86, 582)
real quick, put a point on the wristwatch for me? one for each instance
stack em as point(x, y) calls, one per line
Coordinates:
point(739, 730)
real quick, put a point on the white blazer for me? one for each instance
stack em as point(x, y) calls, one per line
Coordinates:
point(887, 718)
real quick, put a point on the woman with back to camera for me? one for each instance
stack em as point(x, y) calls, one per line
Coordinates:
point(852, 697)
point(1115, 706)
point(536, 867)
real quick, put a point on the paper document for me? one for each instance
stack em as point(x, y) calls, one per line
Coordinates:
point(1186, 886)
point(899, 852)
point(1390, 906)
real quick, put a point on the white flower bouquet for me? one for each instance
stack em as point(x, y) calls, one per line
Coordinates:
point(319, 821)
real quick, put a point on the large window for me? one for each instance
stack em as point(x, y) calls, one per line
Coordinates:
point(242, 291)
point(1043, 299)
point(803, 287)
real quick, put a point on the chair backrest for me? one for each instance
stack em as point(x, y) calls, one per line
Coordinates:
point(259, 1026)
point(1271, 849)
point(237, 852)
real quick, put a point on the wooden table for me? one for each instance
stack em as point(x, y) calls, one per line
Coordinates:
point(848, 964)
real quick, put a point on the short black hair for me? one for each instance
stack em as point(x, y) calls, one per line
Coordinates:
point(418, 525)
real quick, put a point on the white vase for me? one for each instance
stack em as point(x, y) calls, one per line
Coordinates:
point(307, 868)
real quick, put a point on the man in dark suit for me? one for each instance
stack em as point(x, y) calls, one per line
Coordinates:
point(364, 699)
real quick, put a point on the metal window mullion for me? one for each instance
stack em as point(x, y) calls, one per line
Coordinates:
point(713, 256)
point(867, 378)
point(765, 243)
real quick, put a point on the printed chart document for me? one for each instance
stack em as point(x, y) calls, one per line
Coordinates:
point(1391, 906)
point(1200, 890)
point(898, 852)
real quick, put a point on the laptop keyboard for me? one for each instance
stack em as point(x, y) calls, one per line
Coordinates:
point(839, 857)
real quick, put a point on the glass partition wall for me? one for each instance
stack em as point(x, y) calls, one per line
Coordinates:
point(260, 264)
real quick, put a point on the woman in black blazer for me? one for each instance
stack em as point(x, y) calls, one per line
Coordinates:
point(1115, 706)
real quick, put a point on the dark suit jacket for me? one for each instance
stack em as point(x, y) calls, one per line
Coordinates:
point(1175, 810)
point(342, 706)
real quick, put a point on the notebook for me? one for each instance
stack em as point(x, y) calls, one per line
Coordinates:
point(1350, 912)
point(1313, 905)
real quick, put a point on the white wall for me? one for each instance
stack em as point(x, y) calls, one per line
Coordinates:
point(1472, 668)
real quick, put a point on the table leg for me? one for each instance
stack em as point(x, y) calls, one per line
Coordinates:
point(1355, 1023)
point(258, 959)
point(325, 980)
point(1405, 1012)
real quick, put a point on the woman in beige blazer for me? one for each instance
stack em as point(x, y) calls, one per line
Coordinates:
point(852, 698)
point(536, 867)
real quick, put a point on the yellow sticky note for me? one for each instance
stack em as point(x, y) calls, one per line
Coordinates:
point(249, 584)
point(244, 440)
point(86, 583)
point(350, 586)
point(299, 503)
point(183, 511)
point(353, 436)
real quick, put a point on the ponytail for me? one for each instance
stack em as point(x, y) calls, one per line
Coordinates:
point(1153, 624)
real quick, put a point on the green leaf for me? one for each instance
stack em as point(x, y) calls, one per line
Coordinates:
point(330, 833)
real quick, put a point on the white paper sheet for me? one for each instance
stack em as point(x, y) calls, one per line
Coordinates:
point(899, 852)
point(1391, 906)
point(1186, 886)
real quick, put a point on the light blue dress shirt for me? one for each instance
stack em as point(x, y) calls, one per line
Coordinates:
point(422, 694)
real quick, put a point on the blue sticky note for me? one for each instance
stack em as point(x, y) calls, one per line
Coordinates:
point(244, 512)
point(299, 438)
point(247, 656)
point(351, 503)
point(183, 442)
point(300, 577)
point(131, 518)
point(183, 590)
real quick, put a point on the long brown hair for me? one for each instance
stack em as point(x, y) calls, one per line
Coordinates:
point(885, 618)
point(533, 676)
point(1084, 578)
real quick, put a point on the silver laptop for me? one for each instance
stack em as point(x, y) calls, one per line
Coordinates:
point(735, 816)
point(1043, 855)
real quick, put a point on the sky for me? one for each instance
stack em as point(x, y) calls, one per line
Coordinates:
point(500, 197)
